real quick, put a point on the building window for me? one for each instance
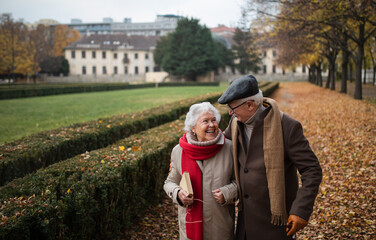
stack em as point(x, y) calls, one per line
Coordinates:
point(115, 70)
point(274, 53)
point(136, 56)
point(264, 53)
point(274, 69)
point(94, 70)
point(125, 70)
point(103, 54)
point(146, 56)
point(303, 68)
point(264, 69)
point(73, 54)
point(135, 70)
point(93, 54)
point(294, 70)
point(146, 69)
point(104, 70)
point(115, 55)
point(83, 54)
point(83, 70)
point(125, 59)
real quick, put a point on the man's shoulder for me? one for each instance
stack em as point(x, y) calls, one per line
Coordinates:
point(287, 119)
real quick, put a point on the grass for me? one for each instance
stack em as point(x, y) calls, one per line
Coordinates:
point(25, 116)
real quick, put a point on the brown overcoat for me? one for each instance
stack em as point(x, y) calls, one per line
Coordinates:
point(254, 221)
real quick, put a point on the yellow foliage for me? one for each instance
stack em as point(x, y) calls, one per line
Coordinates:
point(63, 36)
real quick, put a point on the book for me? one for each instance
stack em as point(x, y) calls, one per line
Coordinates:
point(185, 184)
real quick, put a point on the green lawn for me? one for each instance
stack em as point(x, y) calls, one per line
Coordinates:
point(24, 116)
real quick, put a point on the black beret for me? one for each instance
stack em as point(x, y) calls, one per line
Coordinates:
point(242, 87)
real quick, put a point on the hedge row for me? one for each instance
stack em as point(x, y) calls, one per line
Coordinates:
point(95, 195)
point(30, 153)
point(23, 91)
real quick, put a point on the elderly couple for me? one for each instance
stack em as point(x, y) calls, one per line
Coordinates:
point(258, 168)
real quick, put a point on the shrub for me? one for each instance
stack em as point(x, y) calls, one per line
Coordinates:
point(93, 195)
point(30, 153)
point(22, 91)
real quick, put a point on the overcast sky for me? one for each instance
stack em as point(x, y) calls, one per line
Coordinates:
point(210, 12)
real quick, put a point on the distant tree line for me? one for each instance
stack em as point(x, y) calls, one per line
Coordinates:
point(336, 34)
point(191, 51)
point(28, 52)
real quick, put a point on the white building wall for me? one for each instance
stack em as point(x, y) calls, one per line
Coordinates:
point(144, 59)
point(269, 66)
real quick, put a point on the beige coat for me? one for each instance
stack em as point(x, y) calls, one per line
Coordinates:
point(217, 172)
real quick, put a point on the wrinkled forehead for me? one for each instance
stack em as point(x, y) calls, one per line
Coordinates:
point(237, 102)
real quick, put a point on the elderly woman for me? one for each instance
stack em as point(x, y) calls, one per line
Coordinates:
point(206, 155)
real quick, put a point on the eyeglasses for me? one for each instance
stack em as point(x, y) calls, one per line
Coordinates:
point(233, 108)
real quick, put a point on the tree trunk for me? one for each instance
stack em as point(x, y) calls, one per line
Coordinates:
point(333, 80)
point(345, 62)
point(328, 79)
point(351, 72)
point(365, 71)
point(319, 74)
point(358, 63)
point(310, 74)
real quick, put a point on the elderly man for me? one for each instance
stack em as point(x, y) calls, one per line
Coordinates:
point(269, 148)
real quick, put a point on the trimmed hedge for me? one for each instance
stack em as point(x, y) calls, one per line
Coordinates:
point(30, 153)
point(95, 195)
point(23, 91)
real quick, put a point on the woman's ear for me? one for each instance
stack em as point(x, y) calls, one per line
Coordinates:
point(193, 130)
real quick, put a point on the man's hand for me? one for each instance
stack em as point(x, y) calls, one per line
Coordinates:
point(184, 198)
point(218, 196)
point(294, 224)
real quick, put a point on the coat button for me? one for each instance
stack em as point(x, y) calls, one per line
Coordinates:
point(245, 196)
point(245, 170)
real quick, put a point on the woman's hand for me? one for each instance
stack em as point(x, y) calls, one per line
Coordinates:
point(218, 196)
point(184, 198)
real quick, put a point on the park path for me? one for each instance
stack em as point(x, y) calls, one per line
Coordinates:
point(342, 133)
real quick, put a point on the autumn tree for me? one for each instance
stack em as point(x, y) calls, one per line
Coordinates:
point(15, 49)
point(62, 36)
point(351, 20)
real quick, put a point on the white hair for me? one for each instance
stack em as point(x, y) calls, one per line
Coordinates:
point(258, 98)
point(196, 110)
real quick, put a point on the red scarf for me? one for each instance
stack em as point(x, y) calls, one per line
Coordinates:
point(191, 153)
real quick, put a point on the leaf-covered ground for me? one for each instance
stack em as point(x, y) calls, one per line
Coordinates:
point(342, 133)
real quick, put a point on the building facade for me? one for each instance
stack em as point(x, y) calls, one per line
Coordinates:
point(111, 55)
point(163, 25)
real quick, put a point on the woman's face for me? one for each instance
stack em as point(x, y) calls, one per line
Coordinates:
point(206, 127)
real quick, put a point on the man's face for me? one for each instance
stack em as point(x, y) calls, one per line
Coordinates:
point(242, 110)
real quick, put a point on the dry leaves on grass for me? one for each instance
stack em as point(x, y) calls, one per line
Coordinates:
point(161, 222)
point(342, 133)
